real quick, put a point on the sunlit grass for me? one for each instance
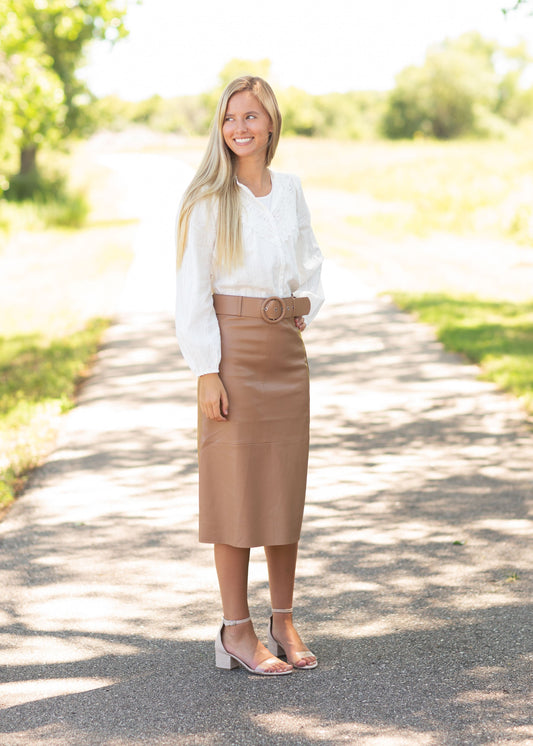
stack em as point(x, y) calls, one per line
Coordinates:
point(422, 187)
point(58, 291)
point(43, 198)
point(496, 335)
point(38, 379)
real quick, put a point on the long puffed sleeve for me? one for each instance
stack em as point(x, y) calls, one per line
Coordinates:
point(197, 327)
point(309, 257)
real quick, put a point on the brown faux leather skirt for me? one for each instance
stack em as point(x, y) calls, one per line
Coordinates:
point(253, 468)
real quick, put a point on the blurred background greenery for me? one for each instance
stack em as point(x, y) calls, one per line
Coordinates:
point(467, 87)
point(426, 190)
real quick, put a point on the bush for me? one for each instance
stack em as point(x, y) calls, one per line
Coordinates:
point(460, 90)
point(43, 201)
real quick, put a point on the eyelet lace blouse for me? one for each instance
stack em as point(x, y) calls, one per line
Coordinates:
point(281, 257)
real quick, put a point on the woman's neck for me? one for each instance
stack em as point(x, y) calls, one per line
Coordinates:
point(256, 177)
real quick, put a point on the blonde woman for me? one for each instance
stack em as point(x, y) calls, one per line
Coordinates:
point(248, 282)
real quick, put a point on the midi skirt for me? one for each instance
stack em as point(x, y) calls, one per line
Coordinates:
point(253, 467)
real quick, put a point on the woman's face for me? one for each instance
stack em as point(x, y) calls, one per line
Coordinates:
point(247, 125)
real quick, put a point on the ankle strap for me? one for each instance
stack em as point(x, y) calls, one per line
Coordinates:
point(282, 611)
point(233, 622)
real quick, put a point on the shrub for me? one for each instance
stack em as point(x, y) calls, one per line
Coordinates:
point(43, 201)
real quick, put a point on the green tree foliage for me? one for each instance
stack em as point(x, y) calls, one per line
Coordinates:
point(237, 67)
point(514, 101)
point(233, 69)
point(440, 98)
point(42, 43)
point(458, 91)
point(518, 4)
point(301, 116)
point(31, 94)
point(187, 115)
point(467, 87)
point(351, 116)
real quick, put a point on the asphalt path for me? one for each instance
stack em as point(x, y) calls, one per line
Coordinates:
point(414, 578)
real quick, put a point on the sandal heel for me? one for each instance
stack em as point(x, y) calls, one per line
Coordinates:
point(273, 645)
point(277, 648)
point(225, 660)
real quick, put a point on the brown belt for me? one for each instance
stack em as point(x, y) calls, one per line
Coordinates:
point(272, 310)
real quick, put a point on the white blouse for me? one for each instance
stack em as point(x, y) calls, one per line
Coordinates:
point(281, 257)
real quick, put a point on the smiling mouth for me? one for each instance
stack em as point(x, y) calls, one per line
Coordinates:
point(243, 140)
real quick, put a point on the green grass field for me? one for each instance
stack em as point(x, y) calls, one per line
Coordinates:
point(481, 187)
point(447, 229)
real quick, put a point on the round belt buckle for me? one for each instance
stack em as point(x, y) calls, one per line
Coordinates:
point(273, 310)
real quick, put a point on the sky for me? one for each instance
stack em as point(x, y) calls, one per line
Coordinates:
point(178, 47)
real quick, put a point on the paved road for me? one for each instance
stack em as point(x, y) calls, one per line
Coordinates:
point(414, 574)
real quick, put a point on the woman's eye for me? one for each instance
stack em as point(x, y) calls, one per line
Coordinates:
point(250, 116)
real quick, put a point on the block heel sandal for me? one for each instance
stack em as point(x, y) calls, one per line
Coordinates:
point(277, 648)
point(226, 660)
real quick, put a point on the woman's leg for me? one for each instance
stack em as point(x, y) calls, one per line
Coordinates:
point(241, 640)
point(232, 570)
point(281, 562)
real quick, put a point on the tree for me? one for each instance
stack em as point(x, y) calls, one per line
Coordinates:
point(31, 93)
point(301, 115)
point(515, 102)
point(457, 91)
point(235, 68)
point(43, 44)
point(518, 4)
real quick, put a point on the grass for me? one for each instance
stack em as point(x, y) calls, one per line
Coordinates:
point(46, 344)
point(447, 230)
point(482, 187)
point(495, 334)
point(56, 288)
point(58, 292)
point(42, 199)
point(38, 379)
point(69, 211)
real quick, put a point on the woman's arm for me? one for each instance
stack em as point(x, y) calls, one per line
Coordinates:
point(309, 258)
point(197, 327)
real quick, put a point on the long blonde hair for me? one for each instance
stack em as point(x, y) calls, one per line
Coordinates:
point(216, 175)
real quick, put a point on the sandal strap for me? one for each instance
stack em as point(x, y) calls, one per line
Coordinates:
point(282, 611)
point(267, 663)
point(304, 654)
point(233, 622)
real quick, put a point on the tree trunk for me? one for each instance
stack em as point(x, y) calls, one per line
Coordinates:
point(28, 160)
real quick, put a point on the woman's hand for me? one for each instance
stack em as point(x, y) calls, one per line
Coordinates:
point(300, 323)
point(212, 397)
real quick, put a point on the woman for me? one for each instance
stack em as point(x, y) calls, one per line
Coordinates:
point(248, 281)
